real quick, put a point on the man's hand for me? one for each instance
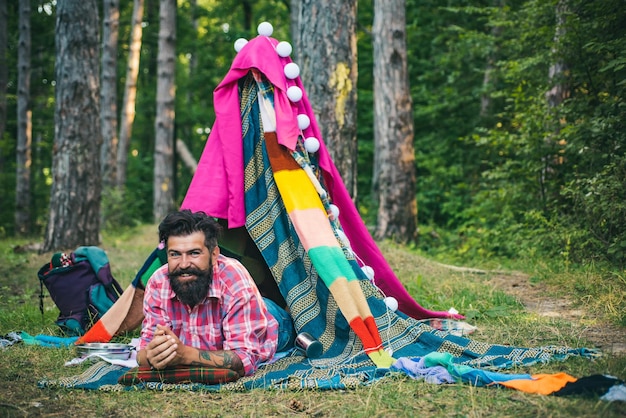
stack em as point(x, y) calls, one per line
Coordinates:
point(165, 349)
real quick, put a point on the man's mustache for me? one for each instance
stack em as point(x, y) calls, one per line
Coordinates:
point(191, 271)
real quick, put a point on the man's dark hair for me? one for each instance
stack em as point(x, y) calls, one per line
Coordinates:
point(186, 222)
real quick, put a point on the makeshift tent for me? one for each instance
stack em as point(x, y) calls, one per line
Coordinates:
point(267, 175)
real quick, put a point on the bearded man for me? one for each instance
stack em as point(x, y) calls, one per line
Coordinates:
point(203, 308)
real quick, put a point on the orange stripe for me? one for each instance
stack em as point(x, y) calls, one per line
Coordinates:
point(280, 156)
point(360, 329)
point(370, 323)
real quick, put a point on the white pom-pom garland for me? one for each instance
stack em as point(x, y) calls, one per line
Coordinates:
point(311, 144)
point(265, 29)
point(283, 49)
point(294, 93)
point(303, 121)
point(368, 271)
point(292, 70)
point(343, 238)
point(240, 43)
point(334, 210)
point(391, 302)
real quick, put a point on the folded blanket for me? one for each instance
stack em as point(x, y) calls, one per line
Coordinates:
point(181, 374)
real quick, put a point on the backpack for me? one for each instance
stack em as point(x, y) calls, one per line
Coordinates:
point(82, 287)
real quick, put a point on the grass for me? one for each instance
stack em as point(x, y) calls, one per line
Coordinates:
point(499, 316)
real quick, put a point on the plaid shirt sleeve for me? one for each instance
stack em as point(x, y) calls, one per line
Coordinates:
point(248, 329)
point(153, 309)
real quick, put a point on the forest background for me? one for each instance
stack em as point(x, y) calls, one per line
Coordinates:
point(517, 150)
point(518, 117)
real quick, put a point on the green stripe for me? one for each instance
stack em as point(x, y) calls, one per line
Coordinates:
point(331, 263)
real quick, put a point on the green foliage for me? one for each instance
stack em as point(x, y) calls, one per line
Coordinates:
point(500, 172)
point(525, 177)
point(597, 208)
point(118, 211)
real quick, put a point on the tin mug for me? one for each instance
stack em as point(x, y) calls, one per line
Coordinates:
point(311, 347)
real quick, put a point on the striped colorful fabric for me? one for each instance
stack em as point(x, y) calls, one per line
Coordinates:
point(314, 306)
point(310, 220)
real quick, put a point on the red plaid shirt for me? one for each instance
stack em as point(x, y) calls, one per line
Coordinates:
point(233, 316)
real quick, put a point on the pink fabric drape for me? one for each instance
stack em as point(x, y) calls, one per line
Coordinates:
point(217, 187)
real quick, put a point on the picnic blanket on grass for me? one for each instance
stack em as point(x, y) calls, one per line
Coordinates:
point(336, 301)
point(295, 371)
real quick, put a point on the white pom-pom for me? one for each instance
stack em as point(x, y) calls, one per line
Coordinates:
point(240, 43)
point(292, 70)
point(265, 29)
point(283, 49)
point(294, 93)
point(392, 303)
point(334, 210)
point(368, 271)
point(311, 144)
point(343, 238)
point(303, 121)
point(389, 350)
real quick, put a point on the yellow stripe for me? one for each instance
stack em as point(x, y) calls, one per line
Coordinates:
point(297, 191)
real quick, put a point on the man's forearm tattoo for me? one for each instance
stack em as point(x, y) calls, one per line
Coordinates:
point(220, 359)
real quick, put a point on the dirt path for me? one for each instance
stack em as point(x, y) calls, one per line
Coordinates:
point(536, 298)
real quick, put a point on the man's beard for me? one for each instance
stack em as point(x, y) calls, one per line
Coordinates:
point(191, 292)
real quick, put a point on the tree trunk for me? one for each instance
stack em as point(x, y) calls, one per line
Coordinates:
point(74, 215)
point(4, 70)
point(294, 24)
point(327, 56)
point(24, 124)
point(558, 68)
point(165, 112)
point(557, 77)
point(186, 156)
point(489, 79)
point(108, 92)
point(193, 58)
point(394, 156)
point(246, 6)
point(130, 94)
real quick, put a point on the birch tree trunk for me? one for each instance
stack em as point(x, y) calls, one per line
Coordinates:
point(165, 112)
point(108, 93)
point(24, 123)
point(74, 214)
point(130, 94)
point(327, 56)
point(558, 68)
point(394, 157)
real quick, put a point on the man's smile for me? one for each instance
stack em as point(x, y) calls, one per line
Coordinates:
point(186, 277)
